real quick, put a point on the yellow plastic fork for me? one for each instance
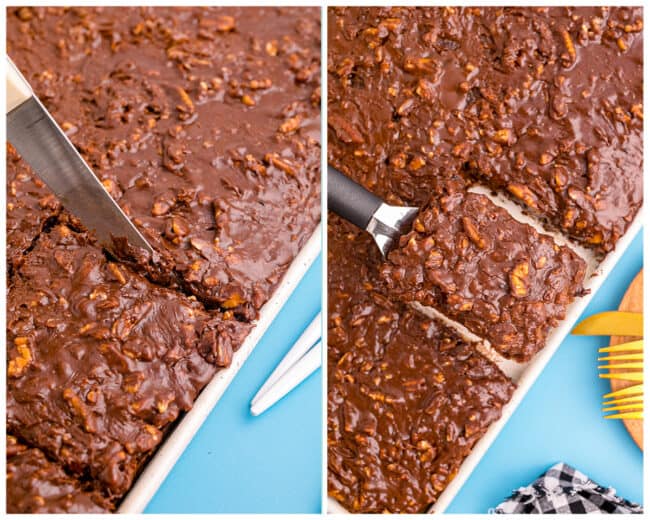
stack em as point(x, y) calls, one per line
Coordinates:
point(631, 358)
point(627, 403)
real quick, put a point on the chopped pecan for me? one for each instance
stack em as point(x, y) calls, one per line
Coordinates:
point(519, 279)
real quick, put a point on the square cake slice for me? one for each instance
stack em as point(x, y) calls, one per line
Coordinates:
point(475, 263)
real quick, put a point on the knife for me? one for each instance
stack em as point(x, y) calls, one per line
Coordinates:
point(365, 210)
point(39, 140)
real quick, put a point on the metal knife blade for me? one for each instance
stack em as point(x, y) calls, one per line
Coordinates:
point(39, 140)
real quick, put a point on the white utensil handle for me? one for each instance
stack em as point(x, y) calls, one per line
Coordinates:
point(18, 90)
point(306, 341)
point(292, 378)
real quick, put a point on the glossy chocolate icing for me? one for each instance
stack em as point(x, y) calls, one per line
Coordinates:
point(476, 264)
point(101, 361)
point(541, 104)
point(544, 104)
point(204, 124)
point(37, 486)
point(407, 397)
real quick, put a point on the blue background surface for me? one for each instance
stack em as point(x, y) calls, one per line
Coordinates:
point(268, 464)
point(560, 419)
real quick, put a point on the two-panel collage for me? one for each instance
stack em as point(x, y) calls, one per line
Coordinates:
point(323, 259)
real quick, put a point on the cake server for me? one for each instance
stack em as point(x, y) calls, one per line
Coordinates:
point(39, 140)
point(354, 203)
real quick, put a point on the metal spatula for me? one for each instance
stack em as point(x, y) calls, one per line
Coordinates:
point(354, 203)
point(40, 142)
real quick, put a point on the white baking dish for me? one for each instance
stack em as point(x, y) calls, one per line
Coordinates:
point(525, 374)
point(175, 443)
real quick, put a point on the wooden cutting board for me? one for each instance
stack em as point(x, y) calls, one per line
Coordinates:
point(632, 302)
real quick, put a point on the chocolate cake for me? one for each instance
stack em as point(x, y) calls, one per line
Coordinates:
point(407, 397)
point(204, 124)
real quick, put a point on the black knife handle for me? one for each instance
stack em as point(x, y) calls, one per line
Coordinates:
point(350, 200)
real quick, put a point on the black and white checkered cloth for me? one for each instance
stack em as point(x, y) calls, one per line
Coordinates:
point(563, 489)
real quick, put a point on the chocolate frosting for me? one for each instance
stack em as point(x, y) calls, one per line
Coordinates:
point(100, 361)
point(476, 264)
point(544, 104)
point(407, 397)
point(37, 486)
point(203, 123)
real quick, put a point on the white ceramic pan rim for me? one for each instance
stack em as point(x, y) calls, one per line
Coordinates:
point(528, 372)
point(157, 469)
